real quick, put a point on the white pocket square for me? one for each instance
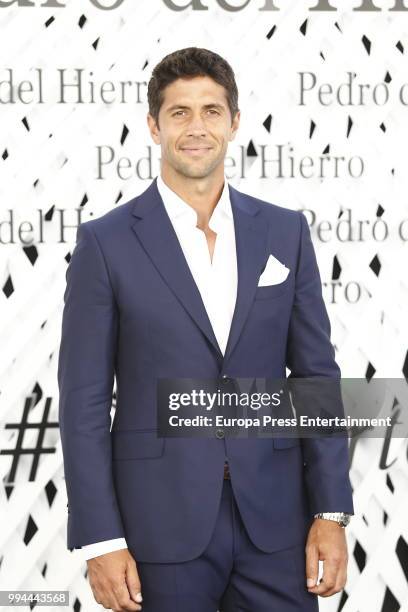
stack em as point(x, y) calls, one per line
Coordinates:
point(275, 272)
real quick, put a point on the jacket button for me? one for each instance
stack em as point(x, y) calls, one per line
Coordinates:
point(225, 379)
point(219, 433)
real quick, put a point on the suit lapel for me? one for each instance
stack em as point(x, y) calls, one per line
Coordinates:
point(158, 238)
point(155, 232)
point(251, 244)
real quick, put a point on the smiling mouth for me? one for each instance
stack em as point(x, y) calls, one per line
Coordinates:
point(196, 151)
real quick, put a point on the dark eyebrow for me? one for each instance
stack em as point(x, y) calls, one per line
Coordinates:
point(205, 106)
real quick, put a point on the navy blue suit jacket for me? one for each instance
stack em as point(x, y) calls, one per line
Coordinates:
point(132, 310)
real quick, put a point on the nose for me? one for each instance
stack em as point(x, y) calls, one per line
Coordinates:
point(197, 126)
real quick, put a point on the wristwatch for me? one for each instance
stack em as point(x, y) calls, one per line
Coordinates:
point(342, 518)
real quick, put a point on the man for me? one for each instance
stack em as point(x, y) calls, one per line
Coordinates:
point(168, 285)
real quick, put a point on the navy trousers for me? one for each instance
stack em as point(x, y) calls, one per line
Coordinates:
point(231, 575)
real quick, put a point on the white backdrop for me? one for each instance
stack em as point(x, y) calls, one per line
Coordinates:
point(68, 154)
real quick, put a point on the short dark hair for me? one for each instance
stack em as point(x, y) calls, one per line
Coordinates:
point(188, 63)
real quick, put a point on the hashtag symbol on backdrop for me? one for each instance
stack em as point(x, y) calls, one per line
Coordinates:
point(39, 449)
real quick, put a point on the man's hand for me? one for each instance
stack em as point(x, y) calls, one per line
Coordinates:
point(114, 581)
point(326, 541)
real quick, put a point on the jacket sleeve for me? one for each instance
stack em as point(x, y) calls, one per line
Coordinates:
point(85, 380)
point(310, 354)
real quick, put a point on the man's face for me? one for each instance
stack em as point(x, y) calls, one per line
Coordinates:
point(195, 126)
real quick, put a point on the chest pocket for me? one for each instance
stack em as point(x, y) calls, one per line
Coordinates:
point(271, 291)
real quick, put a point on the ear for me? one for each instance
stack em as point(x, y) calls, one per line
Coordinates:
point(153, 128)
point(235, 125)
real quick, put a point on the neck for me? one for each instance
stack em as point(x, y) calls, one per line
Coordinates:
point(202, 193)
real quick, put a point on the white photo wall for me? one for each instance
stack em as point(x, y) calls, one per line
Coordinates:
point(324, 111)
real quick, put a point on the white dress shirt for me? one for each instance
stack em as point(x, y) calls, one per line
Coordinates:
point(217, 281)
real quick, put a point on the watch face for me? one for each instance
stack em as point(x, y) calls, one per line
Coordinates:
point(345, 520)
